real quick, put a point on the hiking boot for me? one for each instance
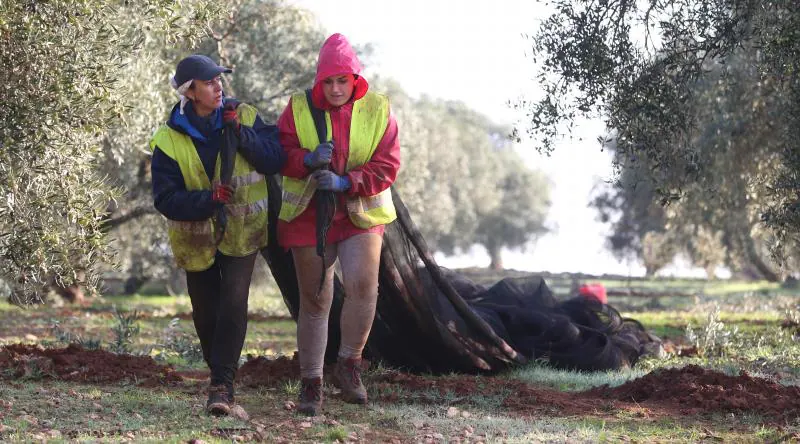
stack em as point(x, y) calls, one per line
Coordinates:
point(348, 377)
point(220, 400)
point(310, 396)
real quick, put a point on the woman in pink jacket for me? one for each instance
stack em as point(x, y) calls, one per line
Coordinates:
point(358, 161)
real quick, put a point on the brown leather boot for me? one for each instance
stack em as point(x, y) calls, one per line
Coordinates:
point(310, 396)
point(220, 400)
point(348, 377)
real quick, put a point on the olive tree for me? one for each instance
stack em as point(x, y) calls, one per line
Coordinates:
point(717, 221)
point(702, 99)
point(62, 88)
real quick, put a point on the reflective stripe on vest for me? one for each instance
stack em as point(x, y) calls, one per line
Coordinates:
point(192, 242)
point(367, 126)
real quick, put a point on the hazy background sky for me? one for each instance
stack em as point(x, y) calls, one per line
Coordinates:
point(479, 54)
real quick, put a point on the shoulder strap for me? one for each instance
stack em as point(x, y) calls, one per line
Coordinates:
point(319, 118)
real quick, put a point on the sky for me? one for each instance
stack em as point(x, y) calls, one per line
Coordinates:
point(478, 52)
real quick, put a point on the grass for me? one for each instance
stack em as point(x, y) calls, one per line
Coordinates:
point(743, 334)
point(571, 381)
point(156, 323)
point(77, 411)
point(336, 434)
point(493, 426)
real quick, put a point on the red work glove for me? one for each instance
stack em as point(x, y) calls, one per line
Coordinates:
point(222, 193)
point(230, 116)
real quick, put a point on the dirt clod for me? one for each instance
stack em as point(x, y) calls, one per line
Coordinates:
point(238, 412)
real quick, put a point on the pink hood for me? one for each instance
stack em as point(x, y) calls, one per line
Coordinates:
point(337, 57)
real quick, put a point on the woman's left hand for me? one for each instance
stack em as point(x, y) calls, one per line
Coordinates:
point(327, 180)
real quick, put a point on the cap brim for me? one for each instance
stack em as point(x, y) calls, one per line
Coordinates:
point(213, 72)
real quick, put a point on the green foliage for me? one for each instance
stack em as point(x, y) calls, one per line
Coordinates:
point(291, 387)
point(658, 250)
point(701, 98)
point(336, 434)
point(272, 47)
point(718, 220)
point(62, 88)
point(184, 345)
point(713, 339)
point(125, 329)
point(65, 337)
point(56, 100)
point(87, 86)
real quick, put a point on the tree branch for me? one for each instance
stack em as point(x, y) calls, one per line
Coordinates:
point(112, 223)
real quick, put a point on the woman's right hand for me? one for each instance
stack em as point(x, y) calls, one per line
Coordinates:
point(320, 156)
point(222, 193)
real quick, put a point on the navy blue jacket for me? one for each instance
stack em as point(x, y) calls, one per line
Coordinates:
point(259, 145)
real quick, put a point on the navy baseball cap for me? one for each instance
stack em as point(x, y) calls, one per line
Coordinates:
point(198, 67)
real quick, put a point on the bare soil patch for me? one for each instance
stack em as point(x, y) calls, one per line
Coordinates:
point(690, 390)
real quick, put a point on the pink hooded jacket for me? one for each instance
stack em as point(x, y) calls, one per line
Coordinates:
point(336, 57)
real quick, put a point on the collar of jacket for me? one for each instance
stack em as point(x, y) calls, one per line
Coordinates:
point(183, 122)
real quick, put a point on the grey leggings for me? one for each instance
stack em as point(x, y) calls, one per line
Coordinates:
point(359, 257)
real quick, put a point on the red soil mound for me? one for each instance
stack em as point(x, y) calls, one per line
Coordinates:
point(262, 371)
point(74, 363)
point(693, 389)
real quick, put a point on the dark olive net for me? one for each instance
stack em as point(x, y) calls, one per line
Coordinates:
point(230, 143)
point(431, 319)
point(326, 208)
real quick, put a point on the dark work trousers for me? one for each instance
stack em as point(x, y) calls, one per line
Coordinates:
point(219, 309)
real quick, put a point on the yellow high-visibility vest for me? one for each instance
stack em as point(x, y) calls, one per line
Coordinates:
point(192, 242)
point(369, 122)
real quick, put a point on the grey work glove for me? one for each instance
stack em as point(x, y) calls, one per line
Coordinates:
point(319, 157)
